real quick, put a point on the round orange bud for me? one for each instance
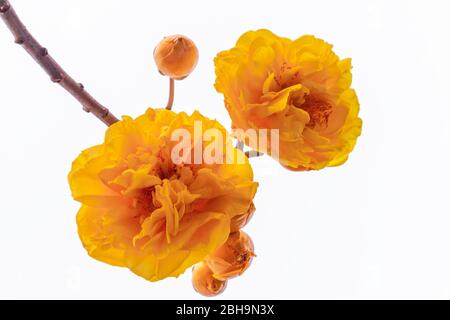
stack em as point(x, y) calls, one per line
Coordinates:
point(240, 221)
point(232, 258)
point(176, 56)
point(204, 282)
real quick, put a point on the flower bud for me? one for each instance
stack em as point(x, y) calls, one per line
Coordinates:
point(240, 221)
point(232, 258)
point(204, 282)
point(176, 56)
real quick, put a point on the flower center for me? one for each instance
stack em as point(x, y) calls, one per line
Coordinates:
point(319, 112)
point(143, 202)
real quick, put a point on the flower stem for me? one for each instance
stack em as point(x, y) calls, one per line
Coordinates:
point(171, 94)
point(253, 154)
point(53, 69)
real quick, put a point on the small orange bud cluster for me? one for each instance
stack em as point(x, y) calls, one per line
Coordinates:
point(210, 277)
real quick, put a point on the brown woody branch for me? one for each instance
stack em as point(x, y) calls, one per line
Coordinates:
point(56, 73)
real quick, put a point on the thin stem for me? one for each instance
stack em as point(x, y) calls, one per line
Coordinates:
point(250, 153)
point(171, 94)
point(253, 154)
point(53, 69)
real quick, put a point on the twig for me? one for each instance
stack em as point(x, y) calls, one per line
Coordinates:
point(56, 73)
point(171, 94)
point(240, 145)
point(250, 153)
point(253, 154)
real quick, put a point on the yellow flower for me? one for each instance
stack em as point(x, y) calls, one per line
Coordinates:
point(299, 87)
point(142, 211)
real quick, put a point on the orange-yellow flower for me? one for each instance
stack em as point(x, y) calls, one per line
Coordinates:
point(300, 87)
point(142, 211)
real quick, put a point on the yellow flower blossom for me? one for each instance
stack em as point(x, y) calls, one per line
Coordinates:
point(299, 87)
point(142, 211)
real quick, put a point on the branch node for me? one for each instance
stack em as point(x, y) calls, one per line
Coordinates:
point(4, 7)
point(19, 40)
point(56, 78)
point(81, 86)
point(86, 109)
point(44, 52)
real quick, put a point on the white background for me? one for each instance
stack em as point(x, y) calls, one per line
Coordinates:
point(376, 227)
